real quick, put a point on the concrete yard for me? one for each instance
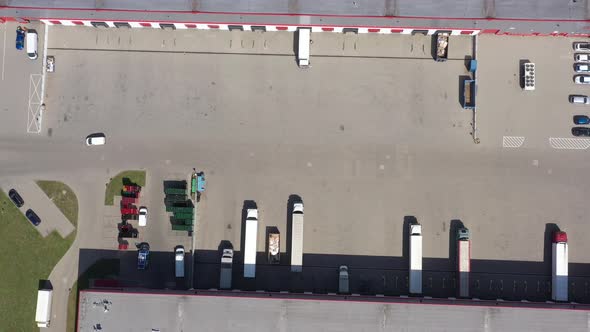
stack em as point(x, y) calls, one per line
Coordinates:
point(369, 137)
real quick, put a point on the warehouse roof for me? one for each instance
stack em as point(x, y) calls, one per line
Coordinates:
point(115, 311)
point(500, 9)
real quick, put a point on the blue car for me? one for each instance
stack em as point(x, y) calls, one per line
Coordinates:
point(20, 38)
point(33, 217)
point(581, 119)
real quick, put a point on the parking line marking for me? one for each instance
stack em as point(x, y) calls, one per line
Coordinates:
point(512, 141)
point(569, 143)
point(3, 51)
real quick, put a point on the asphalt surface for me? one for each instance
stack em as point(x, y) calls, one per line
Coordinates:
point(364, 142)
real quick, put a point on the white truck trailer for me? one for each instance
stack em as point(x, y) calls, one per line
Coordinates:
point(297, 238)
point(43, 313)
point(559, 271)
point(250, 245)
point(225, 275)
point(303, 49)
point(463, 261)
point(415, 280)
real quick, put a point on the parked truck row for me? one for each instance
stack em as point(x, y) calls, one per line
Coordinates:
point(415, 270)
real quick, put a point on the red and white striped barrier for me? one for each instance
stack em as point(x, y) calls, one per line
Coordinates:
point(247, 27)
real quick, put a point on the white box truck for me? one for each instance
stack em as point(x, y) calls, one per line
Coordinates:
point(303, 49)
point(559, 278)
point(227, 259)
point(343, 285)
point(463, 261)
point(297, 238)
point(43, 313)
point(179, 261)
point(250, 243)
point(415, 279)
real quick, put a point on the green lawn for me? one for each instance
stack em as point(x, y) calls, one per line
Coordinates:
point(115, 186)
point(63, 197)
point(26, 258)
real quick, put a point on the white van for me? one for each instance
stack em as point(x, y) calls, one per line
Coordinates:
point(32, 41)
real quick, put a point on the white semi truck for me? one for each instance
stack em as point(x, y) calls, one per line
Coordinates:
point(303, 49)
point(559, 271)
point(225, 275)
point(250, 243)
point(297, 238)
point(43, 313)
point(463, 261)
point(415, 279)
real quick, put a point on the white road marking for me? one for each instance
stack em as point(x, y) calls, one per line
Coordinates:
point(34, 108)
point(43, 70)
point(569, 143)
point(3, 51)
point(512, 141)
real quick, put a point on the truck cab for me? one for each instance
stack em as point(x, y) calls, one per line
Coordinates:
point(343, 285)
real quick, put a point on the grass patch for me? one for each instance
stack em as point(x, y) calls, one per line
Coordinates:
point(103, 269)
point(115, 186)
point(26, 258)
point(63, 197)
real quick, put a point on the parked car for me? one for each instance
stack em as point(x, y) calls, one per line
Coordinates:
point(96, 139)
point(143, 256)
point(142, 220)
point(33, 217)
point(581, 120)
point(581, 131)
point(579, 99)
point(579, 46)
point(582, 57)
point(15, 198)
point(581, 68)
point(20, 38)
point(582, 79)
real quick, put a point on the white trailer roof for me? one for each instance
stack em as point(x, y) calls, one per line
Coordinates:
point(250, 248)
point(43, 312)
point(297, 242)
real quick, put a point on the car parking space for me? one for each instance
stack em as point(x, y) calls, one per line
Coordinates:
point(20, 79)
point(505, 109)
point(51, 218)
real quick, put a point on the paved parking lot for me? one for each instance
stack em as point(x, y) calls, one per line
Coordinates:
point(538, 115)
point(21, 79)
point(364, 141)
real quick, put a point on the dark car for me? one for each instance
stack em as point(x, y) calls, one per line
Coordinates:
point(33, 217)
point(15, 198)
point(20, 38)
point(143, 256)
point(581, 120)
point(581, 131)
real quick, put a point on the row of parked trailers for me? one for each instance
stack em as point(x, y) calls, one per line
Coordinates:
point(559, 271)
point(273, 249)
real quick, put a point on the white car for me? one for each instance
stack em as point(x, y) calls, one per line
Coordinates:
point(579, 99)
point(582, 79)
point(582, 46)
point(582, 57)
point(143, 212)
point(581, 68)
point(96, 139)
